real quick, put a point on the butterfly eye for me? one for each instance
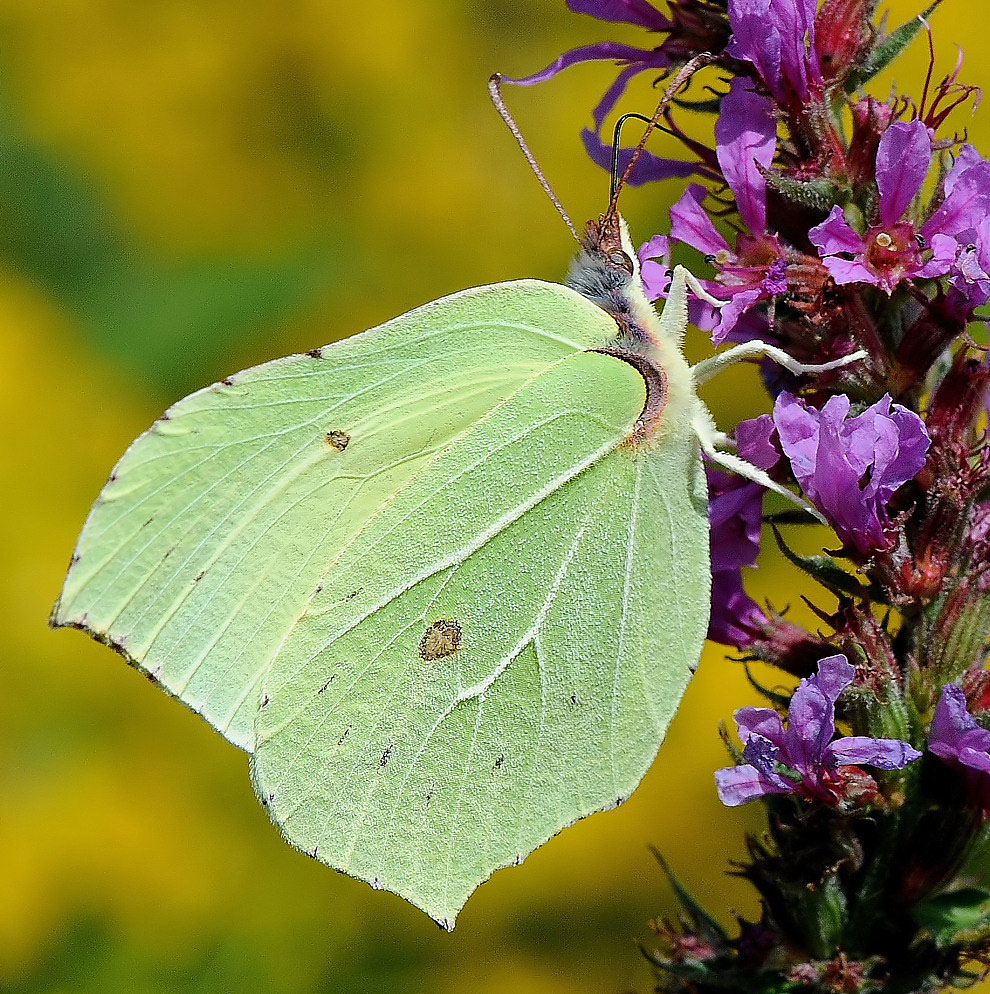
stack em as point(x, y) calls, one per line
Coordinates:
point(623, 261)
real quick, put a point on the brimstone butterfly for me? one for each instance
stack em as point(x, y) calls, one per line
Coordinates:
point(446, 580)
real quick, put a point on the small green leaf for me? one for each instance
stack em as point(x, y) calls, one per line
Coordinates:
point(708, 928)
point(824, 569)
point(954, 916)
point(888, 48)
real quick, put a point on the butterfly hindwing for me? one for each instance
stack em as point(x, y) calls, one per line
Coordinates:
point(499, 652)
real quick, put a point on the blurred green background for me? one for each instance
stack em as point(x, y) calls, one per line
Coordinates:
point(187, 188)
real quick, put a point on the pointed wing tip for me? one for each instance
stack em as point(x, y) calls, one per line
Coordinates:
point(54, 616)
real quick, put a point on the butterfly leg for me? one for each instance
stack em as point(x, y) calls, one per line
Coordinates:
point(674, 317)
point(709, 438)
point(703, 371)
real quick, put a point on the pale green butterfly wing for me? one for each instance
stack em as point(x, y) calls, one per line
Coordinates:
point(500, 650)
point(220, 521)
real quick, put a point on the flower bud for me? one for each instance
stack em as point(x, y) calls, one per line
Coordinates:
point(842, 31)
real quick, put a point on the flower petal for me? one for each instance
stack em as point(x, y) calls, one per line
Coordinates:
point(951, 722)
point(835, 235)
point(798, 429)
point(764, 722)
point(861, 750)
point(614, 93)
point(649, 167)
point(736, 619)
point(810, 727)
point(945, 250)
point(755, 442)
point(602, 51)
point(850, 467)
point(975, 759)
point(733, 311)
point(654, 266)
point(756, 39)
point(845, 271)
point(834, 674)
point(690, 223)
point(735, 512)
point(741, 784)
point(746, 139)
point(967, 200)
point(904, 156)
point(638, 12)
point(658, 247)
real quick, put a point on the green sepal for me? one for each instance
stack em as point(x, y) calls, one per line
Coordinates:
point(701, 106)
point(887, 49)
point(958, 639)
point(819, 193)
point(776, 699)
point(825, 914)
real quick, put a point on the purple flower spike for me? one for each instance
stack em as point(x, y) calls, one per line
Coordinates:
point(803, 758)
point(850, 467)
point(957, 738)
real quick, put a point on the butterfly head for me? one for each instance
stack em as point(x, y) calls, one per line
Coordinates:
point(606, 270)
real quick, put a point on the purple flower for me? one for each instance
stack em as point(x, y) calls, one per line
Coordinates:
point(755, 270)
point(970, 276)
point(778, 38)
point(850, 466)
point(964, 214)
point(890, 251)
point(803, 758)
point(957, 738)
point(966, 200)
point(735, 510)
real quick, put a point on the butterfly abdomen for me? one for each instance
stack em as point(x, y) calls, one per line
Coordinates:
point(657, 394)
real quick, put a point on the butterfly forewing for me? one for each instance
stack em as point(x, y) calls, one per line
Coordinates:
point(219, 522)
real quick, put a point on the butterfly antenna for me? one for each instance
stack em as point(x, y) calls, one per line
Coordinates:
point(617, 148)
point(683, 75)
point(495, 89)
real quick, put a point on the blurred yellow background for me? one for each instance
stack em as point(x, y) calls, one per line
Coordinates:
point(187, 188)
